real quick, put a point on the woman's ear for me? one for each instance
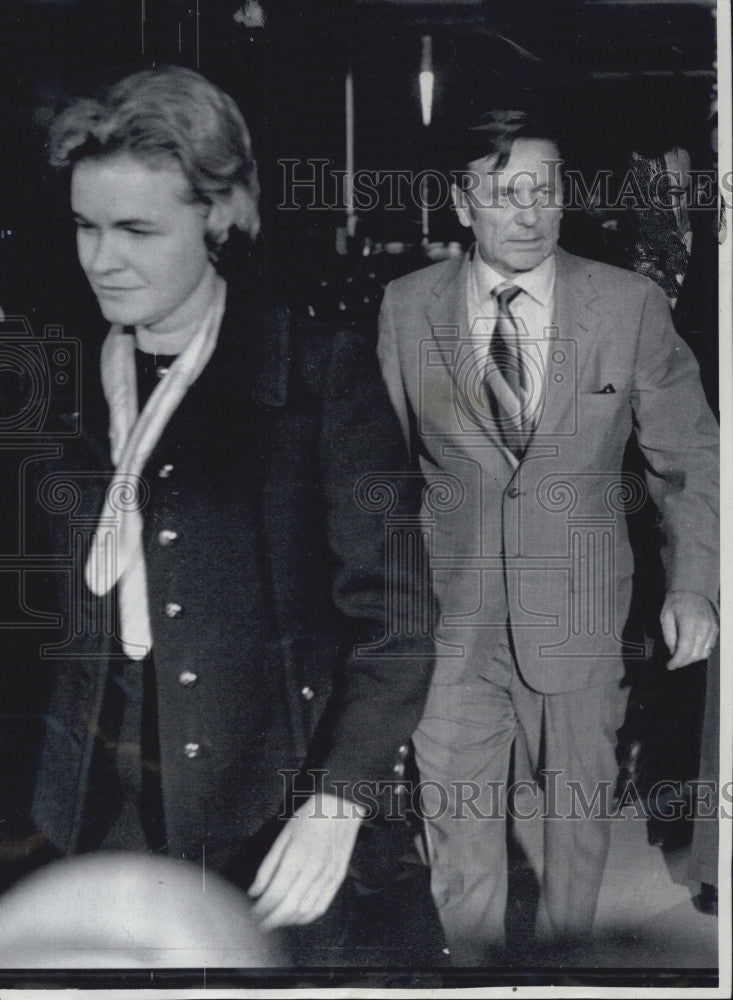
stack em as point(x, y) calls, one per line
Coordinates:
point(220, 219)
point(236, 208)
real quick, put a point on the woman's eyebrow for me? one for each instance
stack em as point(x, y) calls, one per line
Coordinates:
point(139, 221)
point(119, 223)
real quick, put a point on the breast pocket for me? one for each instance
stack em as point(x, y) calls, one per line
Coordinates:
point(605, 409)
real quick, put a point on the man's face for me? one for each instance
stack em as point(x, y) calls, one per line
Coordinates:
point(514, 212)
point(141, 242)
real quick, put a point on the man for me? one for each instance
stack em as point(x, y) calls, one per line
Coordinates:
point(520, 372)
point(221, 591)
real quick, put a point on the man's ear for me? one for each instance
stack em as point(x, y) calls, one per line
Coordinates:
point(462, 205)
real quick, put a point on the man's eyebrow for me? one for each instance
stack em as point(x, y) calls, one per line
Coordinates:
point(510, 183)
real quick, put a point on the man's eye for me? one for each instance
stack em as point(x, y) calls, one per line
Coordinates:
point(138, 232)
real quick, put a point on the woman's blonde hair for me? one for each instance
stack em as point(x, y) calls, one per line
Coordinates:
point(163, 115)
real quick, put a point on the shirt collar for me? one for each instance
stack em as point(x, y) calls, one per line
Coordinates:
point(537, 283)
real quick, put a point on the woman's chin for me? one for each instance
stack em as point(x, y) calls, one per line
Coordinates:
point(116, 314)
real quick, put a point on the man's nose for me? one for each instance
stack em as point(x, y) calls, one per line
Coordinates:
point(528, 215)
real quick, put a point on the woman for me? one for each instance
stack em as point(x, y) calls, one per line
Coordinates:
point(660, 233)
point(213, 485)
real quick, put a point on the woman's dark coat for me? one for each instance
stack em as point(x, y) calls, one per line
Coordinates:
point(278, 573)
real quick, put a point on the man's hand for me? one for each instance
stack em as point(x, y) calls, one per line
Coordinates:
point(689, 626)
point(304, 868)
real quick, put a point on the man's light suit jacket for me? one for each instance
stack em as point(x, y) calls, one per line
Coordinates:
point(544, 543)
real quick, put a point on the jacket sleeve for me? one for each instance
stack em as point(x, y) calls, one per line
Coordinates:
point(390, 364)
point(384, 589)
point(679, 438)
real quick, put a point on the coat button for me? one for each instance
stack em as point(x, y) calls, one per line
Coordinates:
point(399, 769)
point(403, 750)
point(192, 750)
point(187, 678)
point(165, 470)
point(173, 610)
point(167, 537)
point(307, 693)
point(512, 492)
point(161, 370)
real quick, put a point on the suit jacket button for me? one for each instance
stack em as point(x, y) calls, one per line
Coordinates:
point(161, 370)
point(165, 470)
point(403, 750)
point(187, 678)
point(192, 750)
point(167, 537)
point(399, 769)
point(173, 610)
point(307, 693)
point(512, 492)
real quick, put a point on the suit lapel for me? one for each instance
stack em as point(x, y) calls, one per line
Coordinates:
point(447, 313)
point(576, 320)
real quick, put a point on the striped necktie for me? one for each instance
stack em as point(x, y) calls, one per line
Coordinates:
point(507, 379)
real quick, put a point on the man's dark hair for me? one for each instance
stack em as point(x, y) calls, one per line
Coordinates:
point(494, 132)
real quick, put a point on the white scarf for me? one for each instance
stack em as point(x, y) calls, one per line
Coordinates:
point(116, 555)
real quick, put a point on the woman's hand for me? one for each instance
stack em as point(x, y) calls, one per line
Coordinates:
point(303, 870)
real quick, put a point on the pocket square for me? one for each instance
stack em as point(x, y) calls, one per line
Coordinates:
point(608, 388)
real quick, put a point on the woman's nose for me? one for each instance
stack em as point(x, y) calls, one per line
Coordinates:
point(103, 254)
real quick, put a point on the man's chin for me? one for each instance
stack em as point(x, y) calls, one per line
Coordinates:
point(522, 262)
point(527, 260)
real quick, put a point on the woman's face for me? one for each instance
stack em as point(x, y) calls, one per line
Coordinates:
point(141, 244)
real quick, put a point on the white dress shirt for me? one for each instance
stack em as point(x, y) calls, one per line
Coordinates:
point(533, 307)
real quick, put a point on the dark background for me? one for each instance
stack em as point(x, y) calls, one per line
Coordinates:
point(627, 74)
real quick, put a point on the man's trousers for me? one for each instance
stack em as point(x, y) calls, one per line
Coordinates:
point(463, 750)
